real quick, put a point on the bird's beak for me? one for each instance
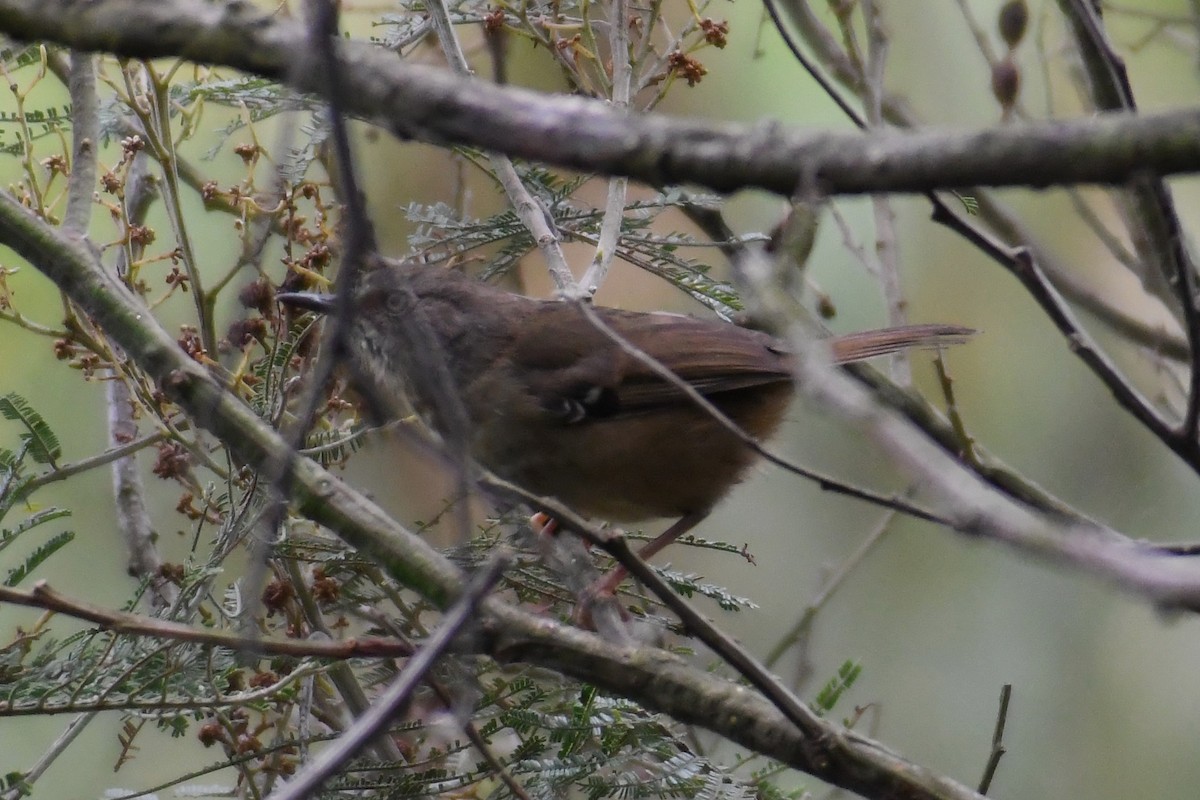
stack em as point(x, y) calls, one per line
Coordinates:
point(308, 301)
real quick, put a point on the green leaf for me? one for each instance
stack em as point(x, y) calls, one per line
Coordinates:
point(43, 444)
point(7, 536)
point(830, 693)
point(12, 482)
point(38, 556)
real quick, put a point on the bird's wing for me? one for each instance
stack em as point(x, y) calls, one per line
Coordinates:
point(572, 364)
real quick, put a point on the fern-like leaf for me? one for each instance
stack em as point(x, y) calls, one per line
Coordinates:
point(8, 536)
point(44, 447)
point(35, 559)
point(689, 585)
point(832, 691)
point(12, 482)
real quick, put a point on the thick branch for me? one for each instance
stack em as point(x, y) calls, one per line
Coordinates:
point(435, 106)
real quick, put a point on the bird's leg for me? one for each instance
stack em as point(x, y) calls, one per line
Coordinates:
point(568, 558)
point(609, 583)
point(543, 524)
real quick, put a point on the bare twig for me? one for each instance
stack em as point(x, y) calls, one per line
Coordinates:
point(469, 727)
point(1161, 242)
point(65, 471)
point(998, 749)
point(59, 746)
point(801, 632)
point(126, 622)
point(532, 213)
point(886, 247)
point(614, 209)
point(133, 517)
point(385, 707)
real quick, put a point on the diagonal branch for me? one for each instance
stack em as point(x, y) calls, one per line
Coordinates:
point(1159, 236)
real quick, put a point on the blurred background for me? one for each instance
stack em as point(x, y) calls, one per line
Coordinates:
point(1106, 694)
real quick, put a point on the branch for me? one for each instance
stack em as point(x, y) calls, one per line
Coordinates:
point(126, 622)
point(972, 506)
point(1166, 267)
point(1157, 235)
point(436, 106)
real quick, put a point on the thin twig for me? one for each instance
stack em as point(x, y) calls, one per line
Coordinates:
point(76, 726)
point(1162, 240)
point(340, 672)
point(982, 42)
point(1086, 349)
point(396, 697)
point(66, 470)
point(126, 622)
point(532, 213)
point(799, 635)
point(156, 125)
point(998, 749)
point(469, 727)
point(953, 416)
point(886, 247)
point(614, 208)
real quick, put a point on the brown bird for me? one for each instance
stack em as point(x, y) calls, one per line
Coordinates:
point(558, 407)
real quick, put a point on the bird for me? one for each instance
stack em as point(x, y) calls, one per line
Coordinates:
point(559, 407)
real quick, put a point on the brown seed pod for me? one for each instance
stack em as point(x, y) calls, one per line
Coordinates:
point(1012, 22)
